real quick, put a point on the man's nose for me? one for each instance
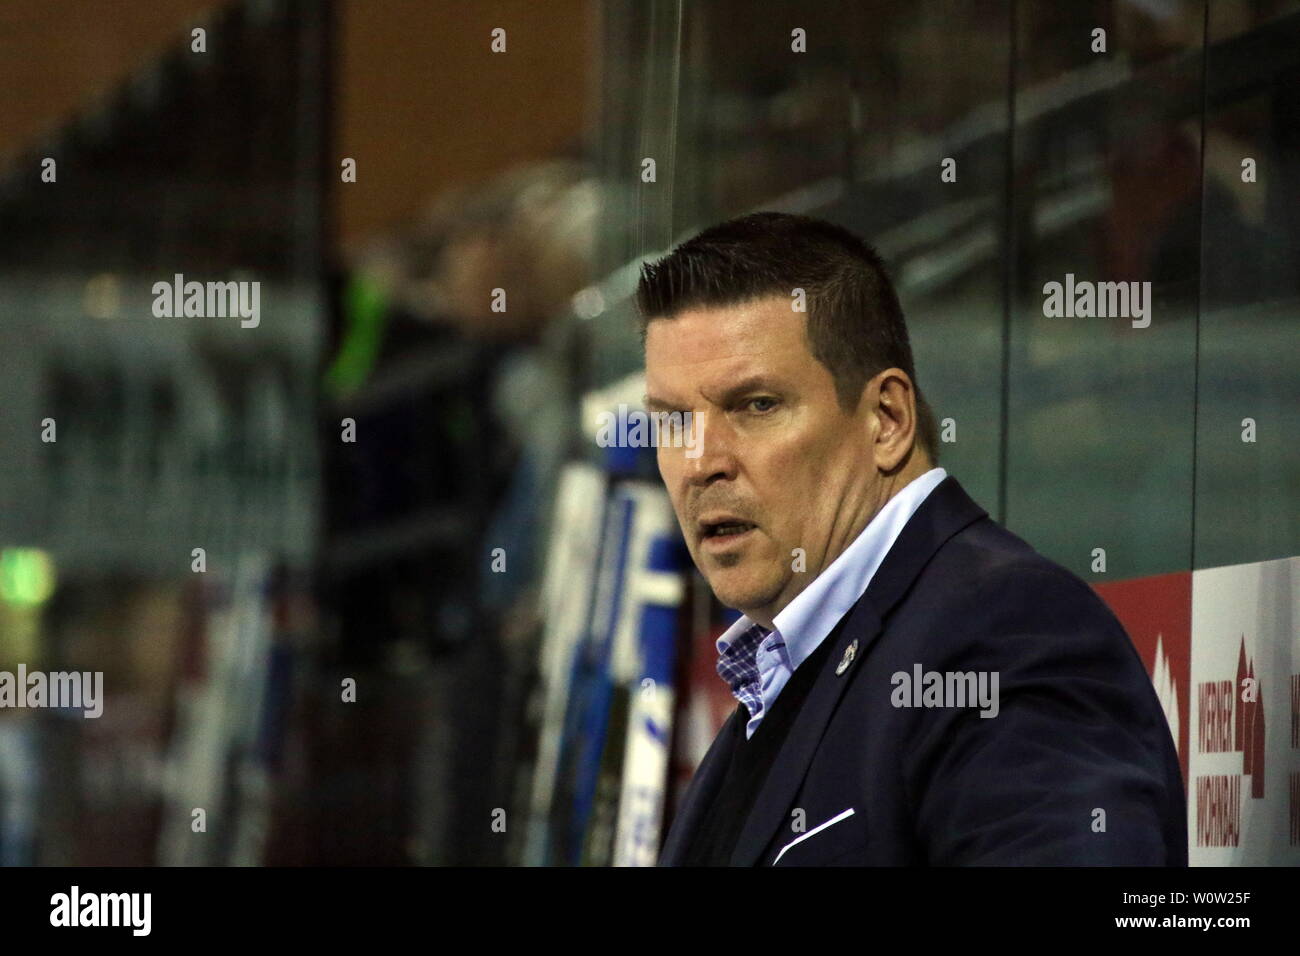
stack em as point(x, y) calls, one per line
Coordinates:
point(717, 456)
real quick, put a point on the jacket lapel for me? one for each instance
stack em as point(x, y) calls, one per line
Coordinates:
point(944, 512)
point(707, 779)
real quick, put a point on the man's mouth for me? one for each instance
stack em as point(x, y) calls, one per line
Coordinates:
point(726, 530)
point(723, 531)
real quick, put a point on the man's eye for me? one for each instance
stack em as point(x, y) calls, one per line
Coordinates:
point(762, 404)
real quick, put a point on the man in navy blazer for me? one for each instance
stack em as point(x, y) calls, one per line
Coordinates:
point(915, 685)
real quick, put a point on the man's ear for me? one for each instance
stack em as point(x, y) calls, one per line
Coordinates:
point(894, 413)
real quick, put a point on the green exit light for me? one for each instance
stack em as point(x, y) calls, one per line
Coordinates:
point(26, 576)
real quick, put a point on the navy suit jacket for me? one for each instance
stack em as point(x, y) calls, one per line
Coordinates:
point(1077, 768)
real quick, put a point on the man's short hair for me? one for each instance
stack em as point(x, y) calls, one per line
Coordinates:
point(855, 325)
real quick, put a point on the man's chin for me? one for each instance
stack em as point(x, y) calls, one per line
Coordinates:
point(742, 596)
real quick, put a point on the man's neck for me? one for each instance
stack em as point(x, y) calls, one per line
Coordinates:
point(889, 486)
point(917, 464)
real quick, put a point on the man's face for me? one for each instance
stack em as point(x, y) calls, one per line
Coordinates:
point(782, 466)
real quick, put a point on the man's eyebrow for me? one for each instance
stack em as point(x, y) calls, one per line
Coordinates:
point(729, 393)
point(657, 404)
point(750, 383)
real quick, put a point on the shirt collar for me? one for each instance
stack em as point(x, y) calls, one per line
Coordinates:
point(814, 612)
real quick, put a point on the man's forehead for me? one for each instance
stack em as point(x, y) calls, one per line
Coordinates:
point(714, 332)
point(714, 348)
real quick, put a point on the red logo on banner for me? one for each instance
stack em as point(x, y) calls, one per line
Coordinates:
point(1249, 704)
point(1157, 613)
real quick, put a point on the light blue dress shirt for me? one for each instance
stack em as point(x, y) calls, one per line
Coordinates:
point(801, 626)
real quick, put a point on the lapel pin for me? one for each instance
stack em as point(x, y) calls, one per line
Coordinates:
point(849, 653)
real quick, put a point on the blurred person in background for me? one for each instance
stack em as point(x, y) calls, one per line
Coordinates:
point(480, 285)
